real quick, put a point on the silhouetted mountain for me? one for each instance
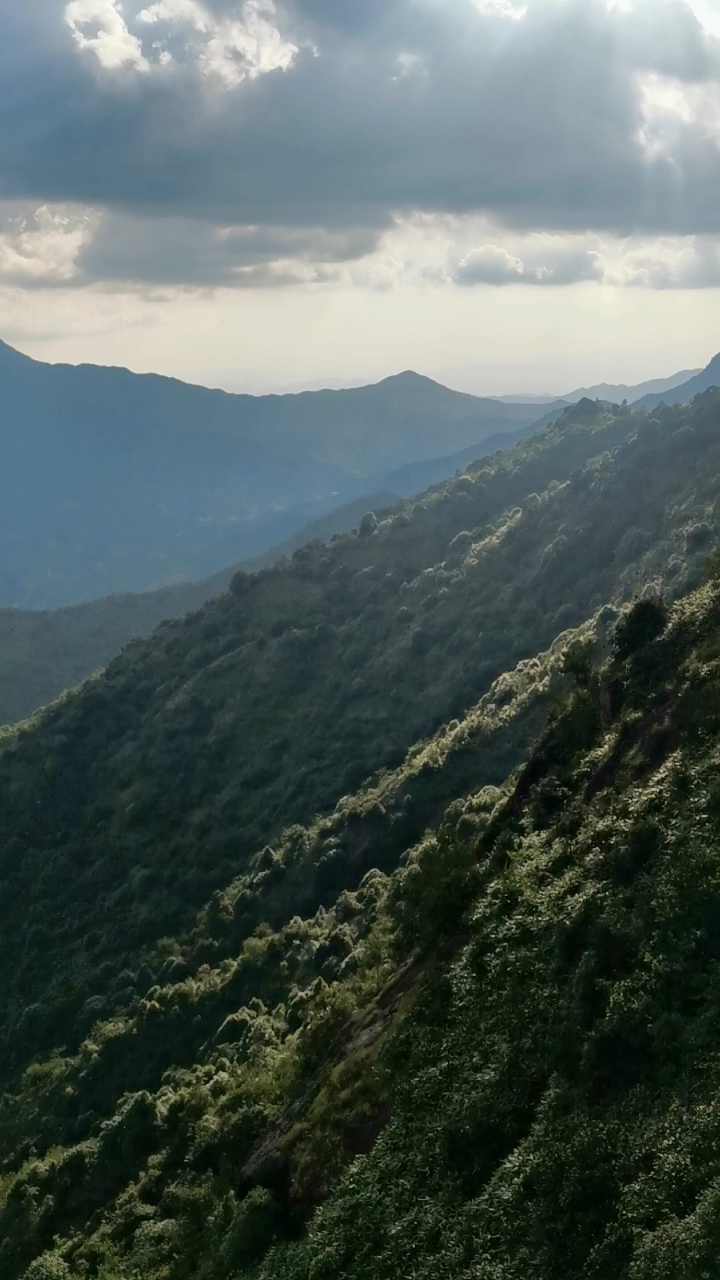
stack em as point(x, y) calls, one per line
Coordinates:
point(685, 391)
point(615, 393)
point(113, 481)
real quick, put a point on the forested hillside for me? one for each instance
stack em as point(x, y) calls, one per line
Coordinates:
point(45, 652)
point(115, 482)
point(300, 978)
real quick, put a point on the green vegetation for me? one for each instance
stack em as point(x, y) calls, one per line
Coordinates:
point(43, 653)
point(313, 967)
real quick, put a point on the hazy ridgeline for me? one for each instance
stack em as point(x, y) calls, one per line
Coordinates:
point(114, 482)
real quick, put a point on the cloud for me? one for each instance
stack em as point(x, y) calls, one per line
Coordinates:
point(40, 247)
point(500, 9)
point(492, 264)
point(235, 46)
point(99, 27)
point(52, 246)
point(673, 264)
point(183, 251)
point(311, 129)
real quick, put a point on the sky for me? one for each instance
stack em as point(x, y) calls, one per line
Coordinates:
point(264, 194)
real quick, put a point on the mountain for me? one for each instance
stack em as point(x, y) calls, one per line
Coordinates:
point(44, 652)
point(702, 381)
point(113, 481)
point(296, 524)
point(615, 393)
point(313, 965)
point(532, 399)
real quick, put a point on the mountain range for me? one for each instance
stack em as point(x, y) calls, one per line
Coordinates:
point(114, 481)
point(363, 922)
point(618, 391)
point(44, 652)
point(469, 378)
point(701, 381)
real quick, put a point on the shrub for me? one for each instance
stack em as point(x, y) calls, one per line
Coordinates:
point(644, 623)
point(368, 524)
point(253, 1228)
point(49, 1266)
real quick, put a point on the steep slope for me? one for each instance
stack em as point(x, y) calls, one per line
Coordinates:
point(313, 872)
point(134, 800)
point(499, 1057)
point(685, 391)
point(43, 653)
point(549, 1106)
point(208, 942)
point(114, 482)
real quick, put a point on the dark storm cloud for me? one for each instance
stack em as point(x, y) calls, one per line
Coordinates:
point(176, 250)
point(388, 107)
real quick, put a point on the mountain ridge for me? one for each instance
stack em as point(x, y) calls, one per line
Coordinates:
point(115, 481)
point(702, 381)
point(617, 392)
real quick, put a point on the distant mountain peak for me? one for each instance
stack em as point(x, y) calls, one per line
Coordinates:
point(409, 378)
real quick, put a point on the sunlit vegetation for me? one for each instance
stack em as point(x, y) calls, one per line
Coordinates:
point(316, 966)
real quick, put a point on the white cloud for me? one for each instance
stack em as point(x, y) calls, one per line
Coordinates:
point(176, 11)
point(247, 47)
point(99, 27)
point(40, 247)
point(670, 263)
point(708, 13)
point(241, 46)
point(673, 110)
point(546, 261)
point(500, 8)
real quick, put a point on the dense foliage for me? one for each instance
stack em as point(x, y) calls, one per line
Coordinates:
point(501, 1058)
point(45, 652)
point(161, 778)
point(301, 980)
